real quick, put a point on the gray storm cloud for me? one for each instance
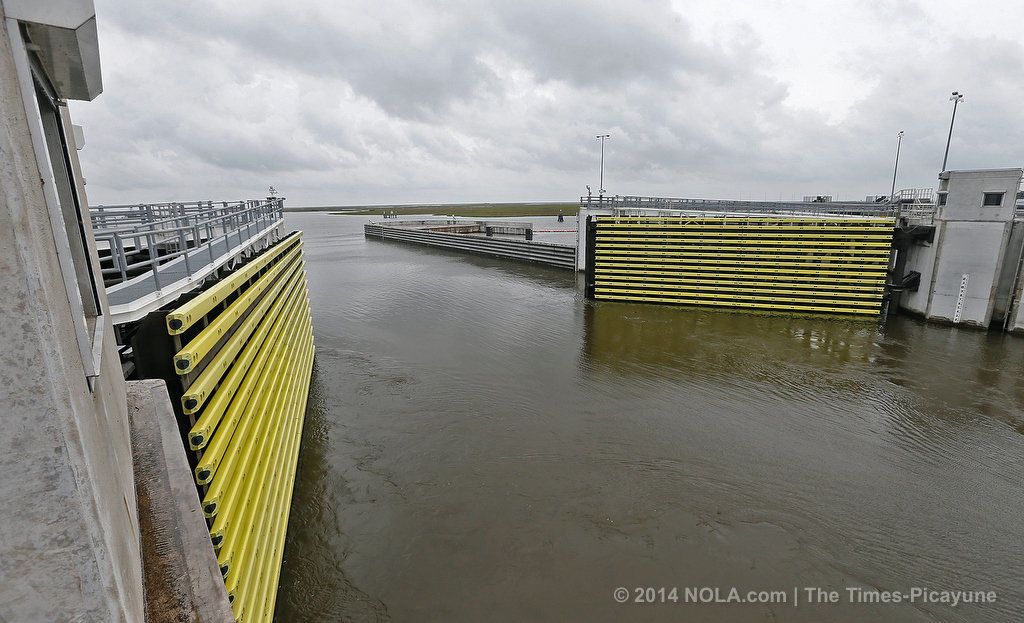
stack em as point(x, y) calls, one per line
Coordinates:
point(351, 103)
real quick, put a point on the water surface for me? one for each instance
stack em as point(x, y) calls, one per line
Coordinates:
point(483, 444)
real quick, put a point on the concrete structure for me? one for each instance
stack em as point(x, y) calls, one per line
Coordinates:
point(493, 238)
point(970, 272)
point(958, 259)
point(69, 539)
point(666, 206)
point(70, 531)
point(182, 585)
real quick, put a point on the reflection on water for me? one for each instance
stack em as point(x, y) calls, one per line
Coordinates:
point(484, 445)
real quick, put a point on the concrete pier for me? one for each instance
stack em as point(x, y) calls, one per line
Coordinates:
point(183, 583)
point(970, 272)
point(505, 239)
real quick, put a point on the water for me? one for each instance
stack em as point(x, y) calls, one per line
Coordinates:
point(482, 444)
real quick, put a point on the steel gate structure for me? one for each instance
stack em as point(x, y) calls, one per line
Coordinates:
point(830, 264)
point(238, 359)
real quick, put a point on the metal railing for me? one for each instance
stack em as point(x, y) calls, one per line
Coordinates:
point(145, 237)
point(667, 206)
point(561, 256)
point(726, 205)
point(915, 195)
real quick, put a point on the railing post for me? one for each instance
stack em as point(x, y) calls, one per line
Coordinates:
point(122, 259)
point(182, 243)
point(153, 259)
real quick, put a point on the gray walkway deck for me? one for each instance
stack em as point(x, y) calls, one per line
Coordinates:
point(133, 299)
point(161, 251)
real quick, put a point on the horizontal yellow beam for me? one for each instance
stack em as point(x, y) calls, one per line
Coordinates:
point(706, 268)
point(249, 509)
point(874, 293)
point(702, 227)
point(250, 485)
point(266, 565)
point(202, 387)
point(711, 261)
point(801, 247)
point(182, 318)
point(269, 589)
point(875, 235)
point(222, 458)
point(237, 421)
point(796, 220)
point(224, 499)
point(265, 337)
point(741, 304)
point(738, 296)
point(746, 241)
point(192, 353)
point(877, 280)
point(251, 537)
point(718, 255)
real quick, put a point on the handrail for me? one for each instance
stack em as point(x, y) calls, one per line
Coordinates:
point(668, 204)
point(164, 232)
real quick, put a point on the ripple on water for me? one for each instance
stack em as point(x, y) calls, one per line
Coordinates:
point(482, 444)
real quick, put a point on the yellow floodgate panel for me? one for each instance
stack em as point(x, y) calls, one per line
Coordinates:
point(244, 356)
point(816, 264)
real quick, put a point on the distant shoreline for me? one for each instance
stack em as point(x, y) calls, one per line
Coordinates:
point(456, 209)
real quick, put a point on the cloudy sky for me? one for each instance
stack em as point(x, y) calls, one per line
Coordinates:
point(346, 102)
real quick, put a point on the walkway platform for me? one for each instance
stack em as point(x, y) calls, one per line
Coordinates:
point(153, 253)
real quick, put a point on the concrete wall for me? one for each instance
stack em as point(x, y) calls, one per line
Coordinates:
point(581, 232)
point(921, 257)
point(961, 272)
point(69, 540)
point(1009, 274)
point(1015, 315)
point(183, 581)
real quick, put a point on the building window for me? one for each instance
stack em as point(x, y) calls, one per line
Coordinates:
point(993, 199)
point(942, 198)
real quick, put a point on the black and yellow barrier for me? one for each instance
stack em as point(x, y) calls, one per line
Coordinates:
point(819, 264)
point(244, 354)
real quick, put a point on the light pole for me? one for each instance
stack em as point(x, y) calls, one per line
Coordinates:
point(899, 141)
point(600, 187)
point(956, 98)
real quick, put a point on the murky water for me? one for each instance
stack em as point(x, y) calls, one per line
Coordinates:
point(482, 444)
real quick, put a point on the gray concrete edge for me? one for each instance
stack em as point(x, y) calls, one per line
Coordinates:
point(182, 580)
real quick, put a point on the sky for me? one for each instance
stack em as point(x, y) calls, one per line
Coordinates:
point(391, 101)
